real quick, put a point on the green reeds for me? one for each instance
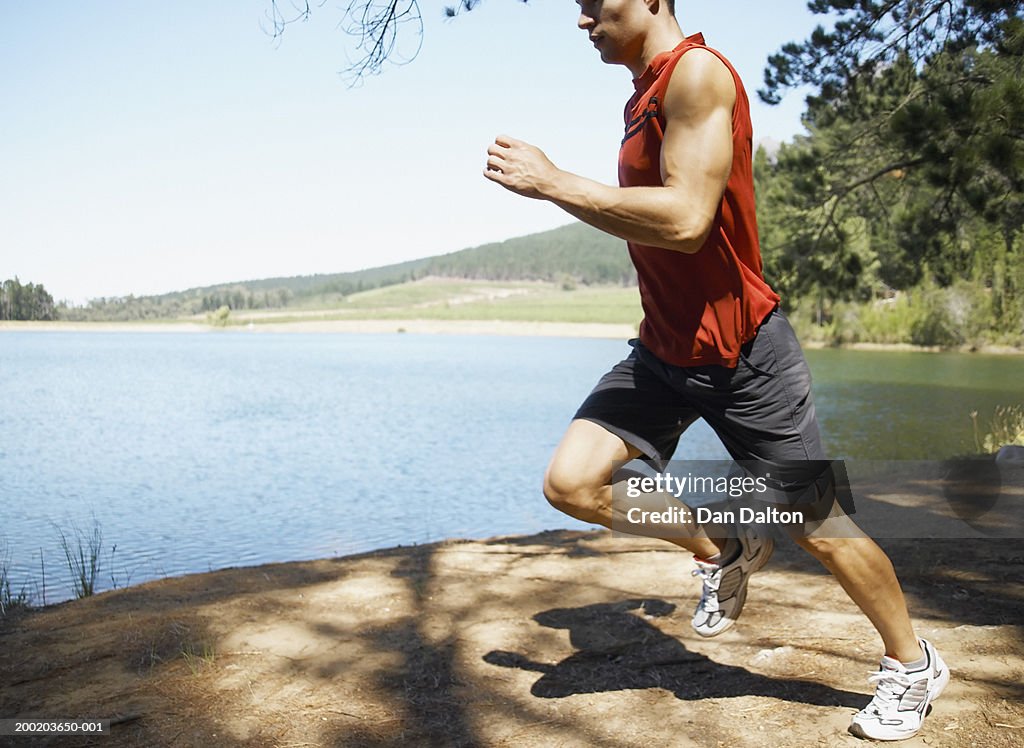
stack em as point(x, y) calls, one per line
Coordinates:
point(1006, 427)
point(82, 553)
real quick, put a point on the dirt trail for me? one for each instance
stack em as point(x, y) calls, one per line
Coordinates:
point(557, 639)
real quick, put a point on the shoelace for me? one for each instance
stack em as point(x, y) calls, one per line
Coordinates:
point(888, 681)
point(711, 579)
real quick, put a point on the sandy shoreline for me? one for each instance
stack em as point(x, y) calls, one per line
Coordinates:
point(996, 350)
point(437, 327)
point(7, 326)
point(364, 326)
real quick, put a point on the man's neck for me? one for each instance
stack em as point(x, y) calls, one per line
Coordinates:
point(662, 38)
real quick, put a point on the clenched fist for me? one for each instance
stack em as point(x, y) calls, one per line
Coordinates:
point(520, 167)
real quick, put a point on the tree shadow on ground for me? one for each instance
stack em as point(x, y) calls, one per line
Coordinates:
point(618, 649)
point(969, 582)
point(426, 681)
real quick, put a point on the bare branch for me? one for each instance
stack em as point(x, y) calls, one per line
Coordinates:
point(380, 26)
point(279, 21)
point(380, 29)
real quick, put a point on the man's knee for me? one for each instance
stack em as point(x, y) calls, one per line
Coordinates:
point(569, 491)
point(577, 479)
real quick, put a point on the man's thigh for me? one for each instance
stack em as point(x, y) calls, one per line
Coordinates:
point(585, 457)
point(635, 404)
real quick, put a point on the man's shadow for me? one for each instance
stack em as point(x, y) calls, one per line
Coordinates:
point(620, 650)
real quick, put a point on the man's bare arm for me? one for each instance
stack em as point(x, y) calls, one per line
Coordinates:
point(696, 159)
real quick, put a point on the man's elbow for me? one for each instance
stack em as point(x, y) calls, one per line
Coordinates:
point(688, 237)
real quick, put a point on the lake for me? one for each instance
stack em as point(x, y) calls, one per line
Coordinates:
point(202, 451)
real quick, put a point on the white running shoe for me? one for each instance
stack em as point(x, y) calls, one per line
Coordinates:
point(901, 697)
point(725, 587)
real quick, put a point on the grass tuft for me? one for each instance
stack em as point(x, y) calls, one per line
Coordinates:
point(1005, 428)
point(198, 656)
point(9, 602)
point(82, 553)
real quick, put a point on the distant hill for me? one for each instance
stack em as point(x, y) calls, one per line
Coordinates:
point(576, 252)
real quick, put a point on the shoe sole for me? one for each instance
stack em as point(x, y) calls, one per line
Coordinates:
point(769, 545)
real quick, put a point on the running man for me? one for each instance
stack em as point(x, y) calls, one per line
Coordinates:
point(713, 343)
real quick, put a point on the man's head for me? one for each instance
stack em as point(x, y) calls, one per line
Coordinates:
point(625, 31)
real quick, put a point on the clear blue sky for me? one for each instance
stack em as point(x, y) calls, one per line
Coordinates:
point(150, 147)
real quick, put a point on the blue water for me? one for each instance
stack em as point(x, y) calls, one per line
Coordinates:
point(201, 451)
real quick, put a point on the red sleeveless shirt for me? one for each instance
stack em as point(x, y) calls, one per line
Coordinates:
point(698, 308)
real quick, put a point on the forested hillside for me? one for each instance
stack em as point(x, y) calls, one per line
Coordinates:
point(570, 255)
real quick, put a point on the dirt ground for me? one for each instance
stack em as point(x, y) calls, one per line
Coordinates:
point(557, 639)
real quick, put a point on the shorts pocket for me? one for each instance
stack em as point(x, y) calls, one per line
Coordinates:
point(759, 354)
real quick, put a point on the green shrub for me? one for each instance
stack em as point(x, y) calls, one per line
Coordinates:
point(1006, 427)
point(934, 321)
point(220, 317)
point(887, 320)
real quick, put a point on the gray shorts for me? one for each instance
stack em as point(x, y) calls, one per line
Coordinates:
point(762, 410)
